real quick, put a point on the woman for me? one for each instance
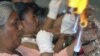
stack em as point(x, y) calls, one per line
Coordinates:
point(10, 29)
point(31, 25)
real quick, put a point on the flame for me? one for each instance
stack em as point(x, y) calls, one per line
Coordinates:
point(79, 4)
point(82, 6)
point(83, 20)
point(73, 3)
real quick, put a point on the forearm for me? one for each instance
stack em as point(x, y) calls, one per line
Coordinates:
point(48, 23)
point(44, 37)
point(59, 45)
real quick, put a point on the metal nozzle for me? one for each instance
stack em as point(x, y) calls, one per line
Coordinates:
point(75, 54)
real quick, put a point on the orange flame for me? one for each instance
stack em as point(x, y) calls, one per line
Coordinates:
point(83, 20)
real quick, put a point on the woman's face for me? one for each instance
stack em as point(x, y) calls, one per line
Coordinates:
point(31, 24)
point(13, 31)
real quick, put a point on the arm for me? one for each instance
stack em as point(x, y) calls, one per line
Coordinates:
point(52, 14)
point(44, 38)
point(53, 25)
point(59, 45)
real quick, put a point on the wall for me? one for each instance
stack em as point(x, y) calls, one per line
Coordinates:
point(42, 3)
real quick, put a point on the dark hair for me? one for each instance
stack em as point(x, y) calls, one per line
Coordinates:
point(23, 8)
point(34, 6)
point(24, 11)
